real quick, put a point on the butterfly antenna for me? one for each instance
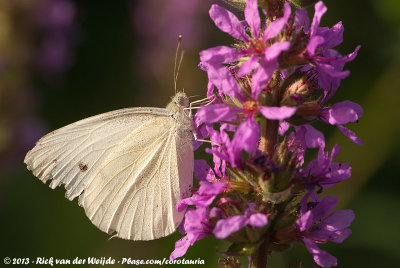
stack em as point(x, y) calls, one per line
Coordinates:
point(176, 68)
point(193, 96)
point(179, 67)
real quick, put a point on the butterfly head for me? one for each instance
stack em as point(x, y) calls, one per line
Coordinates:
point(180, 99)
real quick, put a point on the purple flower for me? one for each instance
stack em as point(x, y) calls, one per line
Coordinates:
point(225, 227)
point(322, 172)
point(305, 137)
point(196, 226)
point(202, 171)
point(248, 132)
point(222, 150)
point(196, 222)
point(257, 49)
point(342, 113)
point(320, 225)
point(209, 188)
point(204, 196)
point(328, 62)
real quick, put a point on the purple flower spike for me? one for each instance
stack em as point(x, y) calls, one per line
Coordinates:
point(228, 226)
point(319, 226)
point(284, 69)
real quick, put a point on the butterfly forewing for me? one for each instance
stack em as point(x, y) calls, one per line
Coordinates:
point(134, 191)
point(128, 167)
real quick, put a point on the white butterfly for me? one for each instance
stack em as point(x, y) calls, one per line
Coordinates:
point(129, 167)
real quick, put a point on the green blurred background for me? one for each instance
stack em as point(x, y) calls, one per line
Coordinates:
point(107, 55)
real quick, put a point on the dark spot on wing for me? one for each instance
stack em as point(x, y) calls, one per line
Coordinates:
point(82, 167)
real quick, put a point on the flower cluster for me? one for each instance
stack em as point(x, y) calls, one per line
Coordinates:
point(267, 90)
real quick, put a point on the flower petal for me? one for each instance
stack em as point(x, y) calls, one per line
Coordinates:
point(214, 189)
point(198, 200)
point(248, 66)
point(225, 227)
point(253, 17)
point(181, 246)
point(223, 79)
point(338, 173)
point(273, 51)
point(202, 171)
point(350, 134)
point(301, 19)
point(216, 113)
point(277, 25)
point(261, 76)
point(218, 55)
point(215, 212)
point(338, 220)
point(324, 208)
point(313, 137)
point(321, 257)
point(194, 219)
point(305, 221)
point(277, 113)
point(343, 112)
point(314, 42)
point(227, 22)
point(268, 64)
point(258, 220)
point(333, 36)
point(340, 236)
point(283, 127)
point(320, 10)
point(247, 136)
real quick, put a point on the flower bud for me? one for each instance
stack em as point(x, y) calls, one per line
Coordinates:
point(306, 113)
point(302, 87)
point(285, 159)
